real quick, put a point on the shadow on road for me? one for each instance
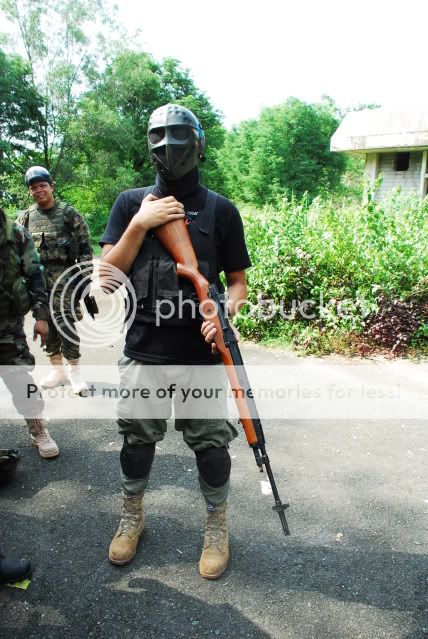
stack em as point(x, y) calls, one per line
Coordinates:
point(63, 513)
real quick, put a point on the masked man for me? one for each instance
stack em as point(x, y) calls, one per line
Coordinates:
point(62, 239)
point(176, 145)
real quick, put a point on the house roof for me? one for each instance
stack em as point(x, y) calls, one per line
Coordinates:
point(381, 129)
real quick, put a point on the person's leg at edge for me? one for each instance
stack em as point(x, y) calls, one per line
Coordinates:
point(16, 362)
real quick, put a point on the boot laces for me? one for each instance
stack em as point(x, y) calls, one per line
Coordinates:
point(39, 430)
point(215, 530)
point(43, 436)
point(130, 518)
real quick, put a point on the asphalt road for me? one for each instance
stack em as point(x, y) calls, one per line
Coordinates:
point(354, 567)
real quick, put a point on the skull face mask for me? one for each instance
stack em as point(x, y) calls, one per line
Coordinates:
point(176, 141)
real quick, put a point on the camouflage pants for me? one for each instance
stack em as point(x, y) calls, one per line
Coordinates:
point(15, 363)
point(63, 338)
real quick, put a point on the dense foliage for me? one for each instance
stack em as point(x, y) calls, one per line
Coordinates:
point(285, 151)
point(327, 271)
point(20, 108)
point(109, 133)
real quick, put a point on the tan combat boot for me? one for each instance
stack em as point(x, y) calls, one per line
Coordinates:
point(57, 374)
point(77, 382)
point(215, 554)
point(41, 439)
point(124, 544)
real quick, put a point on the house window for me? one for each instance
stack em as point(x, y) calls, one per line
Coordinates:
point(401, 161)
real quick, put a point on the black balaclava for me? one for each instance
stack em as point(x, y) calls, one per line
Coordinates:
point(185, 186)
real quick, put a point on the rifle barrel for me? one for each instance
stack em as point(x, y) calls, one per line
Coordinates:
point(259, 449)
point(175, 237)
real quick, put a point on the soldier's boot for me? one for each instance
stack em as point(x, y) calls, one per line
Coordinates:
point(41, 439)
point(13, 570)
point(124, 544)
point(215, 554)
point(57, 375)
point(78, 384)
point(9, 459)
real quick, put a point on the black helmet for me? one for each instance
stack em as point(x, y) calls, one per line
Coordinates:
point(8, 462)
point(37, 174)
point(176, 140)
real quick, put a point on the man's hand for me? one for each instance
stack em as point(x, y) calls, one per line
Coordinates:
point(209, 331)
point(41, 328)
point(155, 212)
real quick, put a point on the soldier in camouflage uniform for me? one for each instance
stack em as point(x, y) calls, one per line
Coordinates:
point(62, 239)
point(23, 287)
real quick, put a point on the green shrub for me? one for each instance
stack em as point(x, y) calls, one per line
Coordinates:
point(344, 256)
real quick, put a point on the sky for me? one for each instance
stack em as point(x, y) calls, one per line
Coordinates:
point(249, 55)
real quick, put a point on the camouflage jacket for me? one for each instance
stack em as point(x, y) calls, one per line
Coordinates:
point(61, 236)
point(32, 270)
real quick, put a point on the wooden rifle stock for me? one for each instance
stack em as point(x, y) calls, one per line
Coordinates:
point(175, 238)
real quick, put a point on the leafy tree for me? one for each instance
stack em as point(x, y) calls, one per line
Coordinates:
point(235, 158)
point(56, 39)
point(109, 132)
point(133, 86)
point(20, 110)
point(286, 150)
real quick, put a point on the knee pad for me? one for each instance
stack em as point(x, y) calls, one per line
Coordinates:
point(214, 465)
point(136, 461)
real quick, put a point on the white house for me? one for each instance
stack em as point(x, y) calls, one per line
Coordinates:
point(395, 144)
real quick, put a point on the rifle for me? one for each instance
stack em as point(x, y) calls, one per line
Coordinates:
point(175, 238)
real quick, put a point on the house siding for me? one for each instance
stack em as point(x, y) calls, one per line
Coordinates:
point(409, 180)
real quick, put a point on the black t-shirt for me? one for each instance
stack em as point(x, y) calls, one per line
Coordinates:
point(180, 344)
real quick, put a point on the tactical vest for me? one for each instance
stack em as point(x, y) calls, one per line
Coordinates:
point(52, 235)
point(154, 274)
point(13, 284)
